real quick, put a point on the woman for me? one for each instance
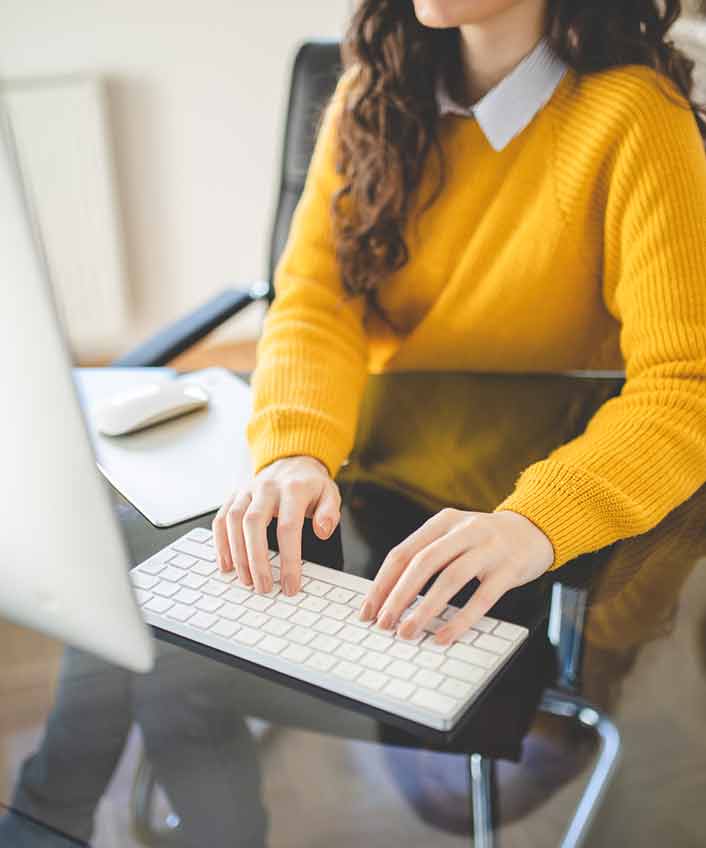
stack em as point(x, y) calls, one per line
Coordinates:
point(558, 223)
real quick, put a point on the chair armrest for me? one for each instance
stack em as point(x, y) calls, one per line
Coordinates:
point(182, 334)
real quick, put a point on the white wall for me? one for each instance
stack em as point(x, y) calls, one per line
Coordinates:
point(197, 94)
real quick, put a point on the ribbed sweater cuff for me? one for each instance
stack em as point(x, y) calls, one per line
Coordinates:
point(571, 508)
point(291, 431)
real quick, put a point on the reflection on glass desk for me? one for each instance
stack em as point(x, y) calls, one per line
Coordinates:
point(595, 734)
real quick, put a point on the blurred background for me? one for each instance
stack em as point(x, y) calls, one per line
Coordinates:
point(155, 185)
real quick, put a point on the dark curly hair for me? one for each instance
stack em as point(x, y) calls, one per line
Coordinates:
point(389, 125)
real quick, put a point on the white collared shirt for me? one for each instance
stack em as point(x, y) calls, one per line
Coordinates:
point(511, 105)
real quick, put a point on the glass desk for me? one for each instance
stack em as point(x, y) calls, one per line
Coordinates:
point(595, 734)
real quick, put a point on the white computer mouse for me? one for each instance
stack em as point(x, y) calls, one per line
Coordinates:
point(148, 404)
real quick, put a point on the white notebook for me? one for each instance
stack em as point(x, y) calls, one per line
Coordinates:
point(179, 469)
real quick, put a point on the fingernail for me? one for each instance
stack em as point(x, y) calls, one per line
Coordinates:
point(366, 611)
point(408, 630)
point(286, 586)
point(325, 526)
point(385, 621)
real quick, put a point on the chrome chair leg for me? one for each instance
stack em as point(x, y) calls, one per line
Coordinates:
point(480, 775)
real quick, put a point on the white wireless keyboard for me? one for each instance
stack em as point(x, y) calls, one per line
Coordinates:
point(316, 635)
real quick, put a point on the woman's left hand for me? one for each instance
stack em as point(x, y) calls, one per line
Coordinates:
point(501, 549)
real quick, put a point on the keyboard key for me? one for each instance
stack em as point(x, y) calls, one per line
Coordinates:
point(328, 625)
point(199, 534)
point(204, 568)
point(296, 653)
point(226, 576)
point(428, 679)
point(468, 637)
point(182, 561)
point(159, 605)
point(187, 596)
point(277, 627)
point(314, 604)
point(143, 581)
point(493, 644)
point(377, 643)
point(347, 670)
point(374, 680)
point(236, 595)
point(208, 604)
point(399, 689)
point(142, 596)
point(180, 612)
point(151, 567)
point(427, 659)
point(434, 625)
point(187, 546)
point(224, 628)
point(231, 611)
point(258, 603)
point(509, 631)
point(469, 654)
point(352, 634)
point(295, 600)
point(193, 581)
point(430, 645)
point(316, 587)
point(468, 673)
point(338, 611)
point(402, 651)
point(306, 619)
point(254, 619)
point(301, 635)
point(448, 613)
point(402, 669)
point(171, 573)
point(214, 587)
point(280, 610)
point(166, 589)
point(322, 642)
point(340, 596)
point(272, 645)
point(350, 652)
point(456, 688)
point(356, 602)
point(378, 662)
point(203, 620)
point(485, 625)
point(433, 701)
point(247, 636)
point(321, 662)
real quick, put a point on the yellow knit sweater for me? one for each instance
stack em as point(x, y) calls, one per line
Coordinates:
point(582, 244)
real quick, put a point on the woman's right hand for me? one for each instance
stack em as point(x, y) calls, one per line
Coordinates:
point(290, 488)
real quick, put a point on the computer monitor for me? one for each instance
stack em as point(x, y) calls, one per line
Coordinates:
point(63, 562)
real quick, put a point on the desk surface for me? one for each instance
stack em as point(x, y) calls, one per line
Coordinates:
point(619, 636)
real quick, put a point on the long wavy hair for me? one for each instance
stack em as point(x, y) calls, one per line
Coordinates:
point(388, 127)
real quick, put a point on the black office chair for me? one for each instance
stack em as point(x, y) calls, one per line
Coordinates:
point(317, 67)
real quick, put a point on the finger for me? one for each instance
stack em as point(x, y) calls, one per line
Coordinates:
point(236, 540)
point(220, 537)
point(258, 515)
point(294, 501)
point(398, 558)
point(457, 575)
point(491, 589)
point(328, 511)
point(421, 568)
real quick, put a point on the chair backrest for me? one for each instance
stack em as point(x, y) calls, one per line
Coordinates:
point(317, 67)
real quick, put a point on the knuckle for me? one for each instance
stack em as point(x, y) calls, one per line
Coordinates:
point(286, 525)
point(252, 516)
point(268, 486)
point(448, 512)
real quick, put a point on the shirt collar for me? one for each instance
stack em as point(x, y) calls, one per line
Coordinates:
point(509, 107)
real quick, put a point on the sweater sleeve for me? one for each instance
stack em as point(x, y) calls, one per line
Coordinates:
point(643, 452)
point(312, 355)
